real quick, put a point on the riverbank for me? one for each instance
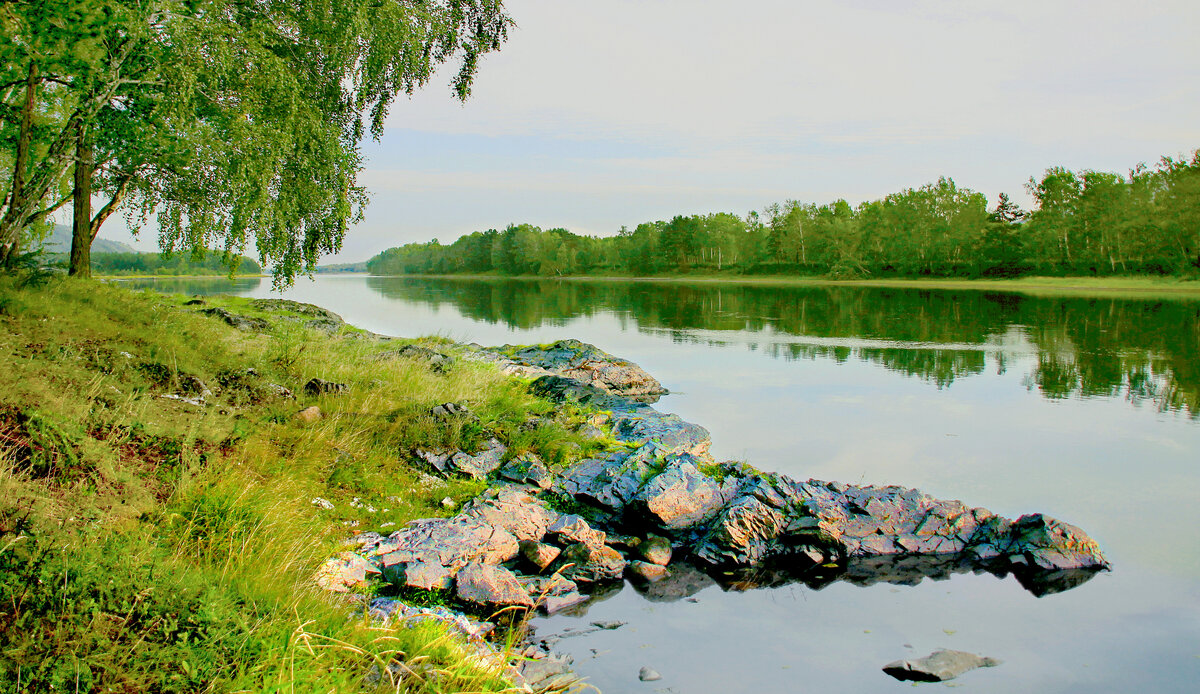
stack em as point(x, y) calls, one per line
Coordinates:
point(164, 505)
point(1109, 287)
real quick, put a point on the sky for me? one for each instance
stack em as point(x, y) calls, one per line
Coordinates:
point(598, 115)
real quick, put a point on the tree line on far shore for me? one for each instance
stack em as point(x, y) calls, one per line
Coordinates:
point(165, 264)
point(1086, 223)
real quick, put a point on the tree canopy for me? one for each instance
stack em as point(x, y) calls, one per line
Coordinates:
point(1089, 223)
point(237, 123)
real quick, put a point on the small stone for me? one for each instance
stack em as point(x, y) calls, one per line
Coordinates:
point(647, 674)
point(655, 549)
point(322, 503)
point(451, 409)
point(609, 625)
point(319, 386)
point(648, 572)
point(448, 503)
point(939, 666)
point(308, 415)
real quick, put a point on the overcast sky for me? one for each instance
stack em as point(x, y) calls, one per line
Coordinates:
point(596, 114)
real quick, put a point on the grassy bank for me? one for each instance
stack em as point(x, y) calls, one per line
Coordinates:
point(1102, 286)
point(148, 543)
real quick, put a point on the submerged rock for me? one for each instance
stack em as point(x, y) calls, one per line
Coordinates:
point(938, 666)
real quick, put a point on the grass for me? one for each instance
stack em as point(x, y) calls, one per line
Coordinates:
point(150, 544)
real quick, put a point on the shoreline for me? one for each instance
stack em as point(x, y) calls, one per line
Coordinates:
point(1035, 285)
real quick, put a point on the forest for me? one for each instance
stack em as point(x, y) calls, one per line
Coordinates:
point(1090, 223)
point(171, 264)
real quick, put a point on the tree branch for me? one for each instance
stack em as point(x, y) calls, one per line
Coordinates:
point(110, 206)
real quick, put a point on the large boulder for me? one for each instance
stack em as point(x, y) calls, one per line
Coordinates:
point(490, 586)
point(682, 497)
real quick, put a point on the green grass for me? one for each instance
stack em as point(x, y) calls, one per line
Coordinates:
point(148, 544)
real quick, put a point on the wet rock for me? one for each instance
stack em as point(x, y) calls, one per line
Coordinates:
point(1051, 545)
point(682, 581)
point(538, 554)
point(319, 386)
point(743, 533)
point(648, 674)
point(645, 571)
point(569, 529)
point(308, 415)
point(655, 549)
point(246, 323)
point(485, 584)
point(939, 666)
point(552, 593)
point(548, 674)
point(609, 624)
point(586, 564)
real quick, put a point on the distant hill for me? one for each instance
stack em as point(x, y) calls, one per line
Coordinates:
point(59, 241)
point(343, 267)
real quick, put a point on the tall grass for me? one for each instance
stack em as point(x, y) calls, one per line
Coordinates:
point(149, 544)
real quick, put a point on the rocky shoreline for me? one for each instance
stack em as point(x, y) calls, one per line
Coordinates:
point(660, 511)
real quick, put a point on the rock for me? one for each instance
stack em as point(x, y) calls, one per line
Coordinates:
point(538, 554)
point(1052, 545)
point(647, 674)
point(939, 666)
point(308, 415)
point(681, 497)
point(650, 573)
point(448, 410)
point(682, 581)
point(743, 533)
point(192, 385)
point(322, 503)
point(655, 549)
point(548, 674)
point(569, 529)
point(240, 322)
point(585, 564)
point(278, 391)
point(311, 310)
point(447, 502)
point(586, 364)
point(419, 574)
point(436, 361)
point(319, 386)
point(324, 325)
point(557, 603)
point(348, 570)
point(195, 302)
point(485, 584)
point(481, 464)
point(529, 469)
point(609, 624)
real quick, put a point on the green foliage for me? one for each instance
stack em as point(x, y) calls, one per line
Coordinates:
point(152, 545)
point(1092, 223)
point(237, 123)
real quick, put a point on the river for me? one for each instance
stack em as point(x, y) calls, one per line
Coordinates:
point(1085, 408)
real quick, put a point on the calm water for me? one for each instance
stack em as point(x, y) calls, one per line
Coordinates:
point(1086, 409)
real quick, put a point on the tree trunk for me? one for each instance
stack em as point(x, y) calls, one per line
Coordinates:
point(10, 229)
point(81, 227)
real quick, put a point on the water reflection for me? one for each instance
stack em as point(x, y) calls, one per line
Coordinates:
point(1110, 347)
point(194, 285)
